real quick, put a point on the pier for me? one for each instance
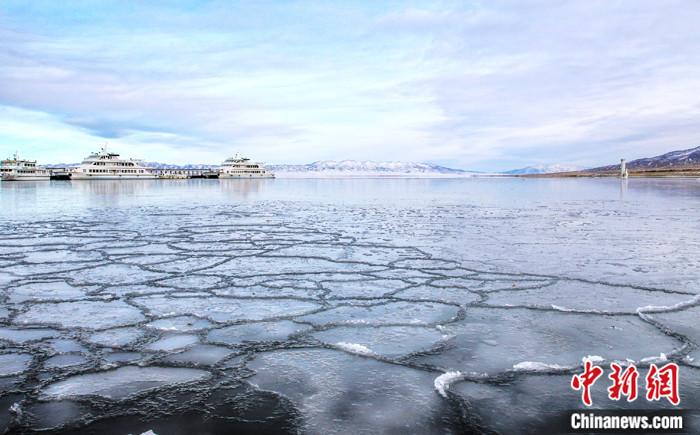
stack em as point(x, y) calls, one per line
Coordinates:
point(184, 173)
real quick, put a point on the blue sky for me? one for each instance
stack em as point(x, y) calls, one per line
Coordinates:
point(484, 85)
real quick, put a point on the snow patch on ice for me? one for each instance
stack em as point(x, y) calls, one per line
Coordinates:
point(560, 308)
point(593, 358)
point(654, 359)
point(582, 311)
point(16, 409)
point(660, 308)
point(354, 348)
point(442, 382)
point(536, 366)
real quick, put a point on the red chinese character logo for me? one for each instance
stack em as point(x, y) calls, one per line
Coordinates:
point(663, 382)
point(624, 383)
point(585, 380)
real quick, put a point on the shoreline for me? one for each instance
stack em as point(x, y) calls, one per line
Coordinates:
point(661, 173)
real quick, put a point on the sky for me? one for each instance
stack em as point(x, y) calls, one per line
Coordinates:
point(481, 85)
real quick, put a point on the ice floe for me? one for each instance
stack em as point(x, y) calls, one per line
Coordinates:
point(122, 382)
point(14, 363)
point(256, 332)
point(387, 341)
point(221, 309)
point(81, 314)
point(390, 313)
point(173, 342)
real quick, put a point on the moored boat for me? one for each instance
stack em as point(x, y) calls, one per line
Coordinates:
point(242, 167)
point(16, 169)
point(104, 165)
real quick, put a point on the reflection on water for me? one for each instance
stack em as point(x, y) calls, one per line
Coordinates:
point(111, 187)
point(59, 197)
point(624, 183)
point(38, 197)
point(242, 188)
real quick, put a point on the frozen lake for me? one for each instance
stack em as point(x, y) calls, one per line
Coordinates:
point(338, 306)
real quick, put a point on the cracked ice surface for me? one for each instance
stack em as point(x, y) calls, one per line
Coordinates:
point(301, 309)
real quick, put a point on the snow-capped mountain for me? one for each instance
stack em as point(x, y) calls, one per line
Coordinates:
point(544, 169)
point(349, 168)
point(689, 158)
point(61, 165)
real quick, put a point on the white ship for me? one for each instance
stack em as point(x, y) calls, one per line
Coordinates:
point(241, 167)
point(104, 165)
point(16, 169)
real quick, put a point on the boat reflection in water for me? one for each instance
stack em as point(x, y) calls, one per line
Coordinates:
point(242, 188)
point(134, 192)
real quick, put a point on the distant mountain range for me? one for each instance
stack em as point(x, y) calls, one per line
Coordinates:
point(675, 160)
point(543, 169)
point(349, 168)
point(682, 163)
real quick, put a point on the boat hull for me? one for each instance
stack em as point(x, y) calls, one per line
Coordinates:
point(80, 176)
point(246, 176)
point(9, 177)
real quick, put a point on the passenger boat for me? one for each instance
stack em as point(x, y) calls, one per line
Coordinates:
point(104, 165)
point(242, 167)
point(16, 169)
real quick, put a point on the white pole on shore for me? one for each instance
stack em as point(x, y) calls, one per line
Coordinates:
point(623, 169)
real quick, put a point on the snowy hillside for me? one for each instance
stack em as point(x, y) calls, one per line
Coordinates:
point(689, 158)
point(544, 169)
point(350, 168)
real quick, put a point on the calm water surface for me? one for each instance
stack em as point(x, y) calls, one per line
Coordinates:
point(66, 196)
